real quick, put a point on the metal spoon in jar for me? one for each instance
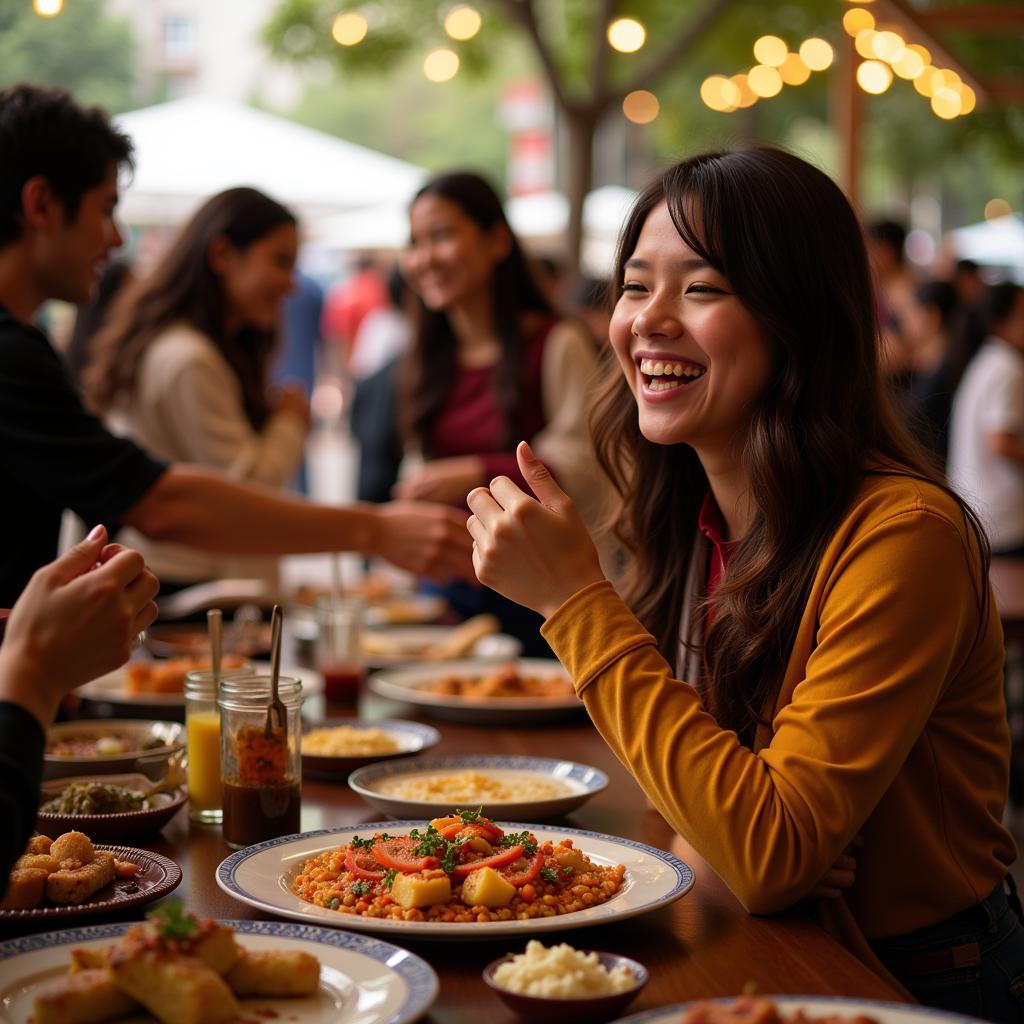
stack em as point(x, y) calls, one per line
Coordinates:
point(214, 622)
point(276, 708)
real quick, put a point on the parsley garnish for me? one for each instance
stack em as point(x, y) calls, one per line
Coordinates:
point(173, 921)
point(360, 888)
point(389, 878)
point(362, 844)
point(549, 874)
point(471, 817)
point(529, 844)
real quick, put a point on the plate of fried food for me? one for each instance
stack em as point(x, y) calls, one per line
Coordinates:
point(110, 807)
point(503, 785)
point(333, 748)
point(159, 685)
point(469, 690)
point(70, 876)
point(795, 1010)
point(460, 876)
point(179, 969)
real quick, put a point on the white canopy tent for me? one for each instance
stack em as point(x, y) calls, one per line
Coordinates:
point(188, 149)
point(998, 243)
point(540, 219)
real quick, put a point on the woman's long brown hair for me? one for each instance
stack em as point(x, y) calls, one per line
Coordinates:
point(183, 287)
point(429, 369)
point(787, 240)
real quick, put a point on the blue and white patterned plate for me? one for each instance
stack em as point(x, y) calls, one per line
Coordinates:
point(362, 980)
point(559, 786)
point(820, 1006)
point(262, 876)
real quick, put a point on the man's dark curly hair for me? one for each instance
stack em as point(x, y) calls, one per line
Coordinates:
point(45, 133)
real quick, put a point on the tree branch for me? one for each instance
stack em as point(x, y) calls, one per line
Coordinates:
point(522, 11)
point(599, 48)
point(684, 42)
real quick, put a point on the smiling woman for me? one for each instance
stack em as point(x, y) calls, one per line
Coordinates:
point(798, 562)
point(182, 364)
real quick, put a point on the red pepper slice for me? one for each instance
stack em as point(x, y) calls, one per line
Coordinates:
point(519, 872)
point(398, 852)
point(362, 864)
point(495, 861)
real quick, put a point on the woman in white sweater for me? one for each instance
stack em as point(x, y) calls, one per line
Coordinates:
point(182, 364)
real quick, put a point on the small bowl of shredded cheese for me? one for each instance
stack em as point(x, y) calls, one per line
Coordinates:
point(562, 985)
point(333, 748)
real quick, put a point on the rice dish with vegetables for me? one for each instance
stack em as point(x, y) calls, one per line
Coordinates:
point(470, 787)
point(348, 741)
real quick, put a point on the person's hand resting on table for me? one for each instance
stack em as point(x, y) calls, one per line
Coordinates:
point(535, 551)
point(77, 619)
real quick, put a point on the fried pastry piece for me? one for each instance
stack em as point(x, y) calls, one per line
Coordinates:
point(85, 997)
point(73, 846)
point(44, 861)
point(76, 885)
point(39, 844)
point(25, 889)
point(175, 989)
point(274, 973)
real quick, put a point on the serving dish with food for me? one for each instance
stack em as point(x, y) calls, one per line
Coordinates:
point(386, 604)
point(506, 786)
point(468, 690)
point(115, 689)
point(623, 878)
point(795, 1010)
point(108, 807)
point(71, 876)
point(562, 985)
point(111, 746)
point(338, 746)
point(400, 645)
point(173, 640)
point(234, 970)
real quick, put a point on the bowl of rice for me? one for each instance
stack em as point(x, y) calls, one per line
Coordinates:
point(332, 749)
point(562, 985)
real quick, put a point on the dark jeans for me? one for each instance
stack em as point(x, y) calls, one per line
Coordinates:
point(971, 963)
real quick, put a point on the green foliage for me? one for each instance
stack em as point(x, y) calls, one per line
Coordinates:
point(81, 49)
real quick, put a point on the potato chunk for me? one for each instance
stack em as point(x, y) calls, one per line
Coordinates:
point(486, 888)
point(574, 859)
point(410, 891)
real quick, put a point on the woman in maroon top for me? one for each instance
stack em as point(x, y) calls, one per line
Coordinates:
point(491, 363)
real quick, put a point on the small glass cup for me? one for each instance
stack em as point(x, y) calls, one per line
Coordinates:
point(339, 652)
point(261, 773)
point(202, 731)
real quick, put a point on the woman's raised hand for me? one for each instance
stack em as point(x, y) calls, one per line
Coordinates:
point(535, 551)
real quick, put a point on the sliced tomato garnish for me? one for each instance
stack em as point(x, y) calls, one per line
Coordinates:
point(442, 823)
point(523, 870)
point(482, 827)
point(495, 861)
point(362, 864)
point(398, 852)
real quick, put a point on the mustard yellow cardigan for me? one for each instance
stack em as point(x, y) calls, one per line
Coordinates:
point(890, 722)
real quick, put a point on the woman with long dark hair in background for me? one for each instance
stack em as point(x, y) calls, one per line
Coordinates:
point(492, 362)
point(806, 650)
point(182, 364)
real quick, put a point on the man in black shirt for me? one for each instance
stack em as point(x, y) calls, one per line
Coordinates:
point(58, 190)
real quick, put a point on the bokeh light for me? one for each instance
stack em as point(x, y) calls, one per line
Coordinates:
point(747, 95)
point(862, 44)
point(764, 81)
point(641, 107)
point(793, 70)
point(349, 28)
point(921, 51)
point(626, 35)
point(770, 50)
point(720, 93)
point(462, 22)
point(887, 45)
point(48, 8)
point(969, 99)
point(946, 103)
point(856, 20)
point(874, 77)
point(996, 208)
point(441, 65)
point(816, 53)
point(909, 64)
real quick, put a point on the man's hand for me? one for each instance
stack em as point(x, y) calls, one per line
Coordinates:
point(427, 540)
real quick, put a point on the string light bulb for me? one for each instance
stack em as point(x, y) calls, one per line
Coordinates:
point(770, 51)
point(816, 53)
point(462, 22)
point(874, 77)
point(626, 35)
point(441, 65)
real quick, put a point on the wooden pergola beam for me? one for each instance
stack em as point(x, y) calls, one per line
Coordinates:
point(990, 17)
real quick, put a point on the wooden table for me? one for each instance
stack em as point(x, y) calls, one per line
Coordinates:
point(703, 945)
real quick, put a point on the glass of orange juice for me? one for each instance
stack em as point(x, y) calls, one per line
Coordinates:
point(202, 732)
